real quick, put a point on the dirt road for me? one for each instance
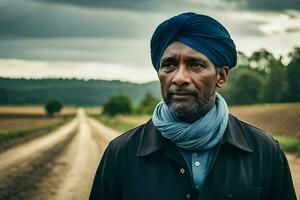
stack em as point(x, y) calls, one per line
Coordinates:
point(59, 165)
point(295, 170)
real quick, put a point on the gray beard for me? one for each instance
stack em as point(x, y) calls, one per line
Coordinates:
point(194, 113)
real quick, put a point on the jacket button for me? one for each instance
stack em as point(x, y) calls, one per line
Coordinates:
point(182, 170)
point(188, 196)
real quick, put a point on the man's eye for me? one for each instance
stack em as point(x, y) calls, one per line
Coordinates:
point(196, 65)
point(168, 65)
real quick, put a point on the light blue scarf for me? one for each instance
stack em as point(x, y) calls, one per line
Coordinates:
point(202, 134)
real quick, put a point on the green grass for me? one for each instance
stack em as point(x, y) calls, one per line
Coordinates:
point(115, 122)
point(288, 144)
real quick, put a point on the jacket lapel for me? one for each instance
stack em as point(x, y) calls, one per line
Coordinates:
point(152, 141)
point(235, 135)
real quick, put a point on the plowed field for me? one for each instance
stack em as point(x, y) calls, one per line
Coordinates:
point(278, 119)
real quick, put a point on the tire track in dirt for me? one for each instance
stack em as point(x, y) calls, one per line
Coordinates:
point(102, 134)
point(82, 160)
point(24, 183)
point(59, 165)
point(72, 172)
point(22, 168)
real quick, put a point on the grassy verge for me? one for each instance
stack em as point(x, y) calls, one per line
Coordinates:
point(288, 144)
point(10, 135)
point(115, 122)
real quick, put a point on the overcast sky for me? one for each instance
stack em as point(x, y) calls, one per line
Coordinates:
point(109, 39)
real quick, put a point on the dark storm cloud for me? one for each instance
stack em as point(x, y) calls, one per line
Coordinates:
point(158, 5)
point(151, 6)
point(39, 20)
point(145, 5)
point(73, 49)
point(103, 30)
point(267, 5)
point(249, 28)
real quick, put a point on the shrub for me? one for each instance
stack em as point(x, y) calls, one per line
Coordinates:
point(120, 104)
point(147, 105)
point(53, 106)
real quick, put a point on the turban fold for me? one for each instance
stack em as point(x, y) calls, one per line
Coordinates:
point(200, 32)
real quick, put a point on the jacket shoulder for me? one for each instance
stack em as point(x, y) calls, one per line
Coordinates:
point(259, 137)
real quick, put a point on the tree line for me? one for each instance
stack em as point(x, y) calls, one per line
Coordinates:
point(75, 92)
point(263, 78)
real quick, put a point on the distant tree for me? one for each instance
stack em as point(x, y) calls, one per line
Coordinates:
point(246, 87)
point(243, 60)
point(293, 71)
point(3, 96)
point(120, 104)
point(148, 104)
point(263, 78)
point(243, 86)
point(53, 106)
point(276, 86)
point(261, 60)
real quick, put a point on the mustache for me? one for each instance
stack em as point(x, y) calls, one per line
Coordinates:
point(180, 90)
point(185, 91)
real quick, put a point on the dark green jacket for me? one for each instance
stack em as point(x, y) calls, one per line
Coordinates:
point(143, 165)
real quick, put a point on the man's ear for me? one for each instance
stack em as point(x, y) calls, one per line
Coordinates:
point(222, 75)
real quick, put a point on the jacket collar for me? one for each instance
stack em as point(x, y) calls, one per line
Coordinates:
point(152, 140)
point(236, 136)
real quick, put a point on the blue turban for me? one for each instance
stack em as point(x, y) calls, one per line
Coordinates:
point(200, 32)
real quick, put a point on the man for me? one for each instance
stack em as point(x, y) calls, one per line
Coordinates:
point(192, 148)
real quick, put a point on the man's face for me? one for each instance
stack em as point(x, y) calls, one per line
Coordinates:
point(188, 81)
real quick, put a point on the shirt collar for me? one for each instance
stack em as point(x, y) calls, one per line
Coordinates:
point(152, 140)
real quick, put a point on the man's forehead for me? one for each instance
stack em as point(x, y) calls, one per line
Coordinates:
point(176, 49)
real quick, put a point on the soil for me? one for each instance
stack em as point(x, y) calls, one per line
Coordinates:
point(62, 164)
point(58, 165)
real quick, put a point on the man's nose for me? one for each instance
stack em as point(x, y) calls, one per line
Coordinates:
point(181, 76)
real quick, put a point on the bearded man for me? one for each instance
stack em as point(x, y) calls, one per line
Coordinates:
point(192, 148)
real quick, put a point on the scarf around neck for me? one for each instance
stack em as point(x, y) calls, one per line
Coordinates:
point(202, 134)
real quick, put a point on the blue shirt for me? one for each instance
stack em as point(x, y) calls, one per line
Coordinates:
point(198, 163)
